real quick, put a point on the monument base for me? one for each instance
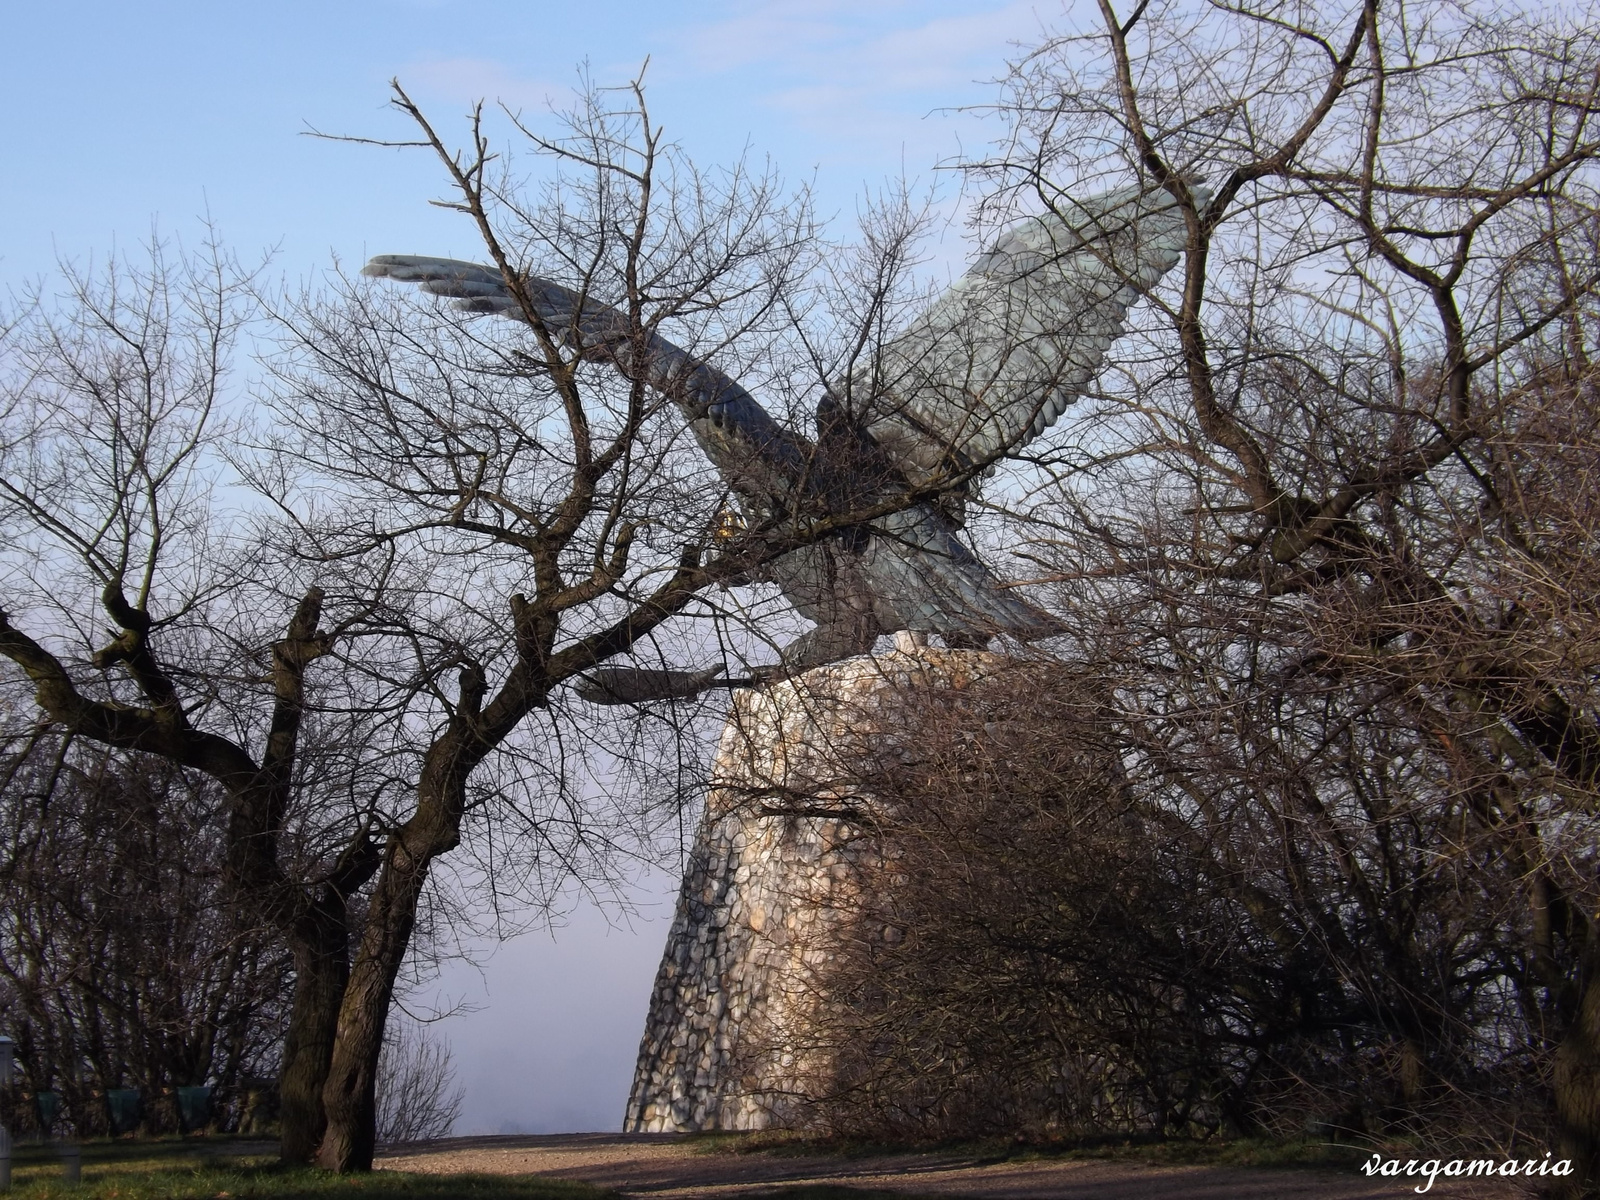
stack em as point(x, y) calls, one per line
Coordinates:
point(782, 851)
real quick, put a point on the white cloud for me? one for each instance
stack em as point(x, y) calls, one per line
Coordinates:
point(882, 50)
point(468, 80)
point(950, 50)
point(763, 32)
point(858, 78)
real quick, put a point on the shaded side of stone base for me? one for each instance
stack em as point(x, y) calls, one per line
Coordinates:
point(731, 1038)
point(717, 1051)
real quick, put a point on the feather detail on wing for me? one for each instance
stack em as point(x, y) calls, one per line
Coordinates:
point(760, 459)
point(1019, 337)
point(917, 566)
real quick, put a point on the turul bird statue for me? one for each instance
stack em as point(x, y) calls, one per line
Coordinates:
point(982, 372)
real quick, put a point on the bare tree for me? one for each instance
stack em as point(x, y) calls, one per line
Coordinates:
point(510, 511)
point(417, 1099)
point(125, 961)
point(469, 517)
point(1074, 927)
point(115, 417)
point(1322, 526)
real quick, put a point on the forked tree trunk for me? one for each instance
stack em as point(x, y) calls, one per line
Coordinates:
point(1577, 1088)
point(321, 949)
point(349, 1096)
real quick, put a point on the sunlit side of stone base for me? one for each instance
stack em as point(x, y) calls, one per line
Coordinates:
point(729, 1042)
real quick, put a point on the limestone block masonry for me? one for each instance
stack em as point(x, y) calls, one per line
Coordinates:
point(780, 853)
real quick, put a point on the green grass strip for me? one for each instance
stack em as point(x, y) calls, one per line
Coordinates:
point(193, 1171)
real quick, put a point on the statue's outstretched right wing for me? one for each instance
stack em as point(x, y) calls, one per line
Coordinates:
point(1015, 340)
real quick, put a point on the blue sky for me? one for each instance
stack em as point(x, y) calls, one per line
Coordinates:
point(120, 114)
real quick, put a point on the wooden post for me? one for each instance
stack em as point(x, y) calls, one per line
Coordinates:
point(7, 1055)
point(71, 1162)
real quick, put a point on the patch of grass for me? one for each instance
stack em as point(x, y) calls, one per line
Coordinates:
point(232, 1170)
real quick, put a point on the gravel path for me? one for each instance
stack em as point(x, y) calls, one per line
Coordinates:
point(664, 1165)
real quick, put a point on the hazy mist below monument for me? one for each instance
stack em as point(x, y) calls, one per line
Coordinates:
point(552, 1044)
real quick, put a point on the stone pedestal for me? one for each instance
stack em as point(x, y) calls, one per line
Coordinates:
point(779, 856)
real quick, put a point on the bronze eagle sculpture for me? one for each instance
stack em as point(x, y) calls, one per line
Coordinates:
point(983, 371)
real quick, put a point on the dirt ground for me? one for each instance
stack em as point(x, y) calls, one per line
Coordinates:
point(667, 1166)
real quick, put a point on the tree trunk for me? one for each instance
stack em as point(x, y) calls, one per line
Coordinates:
point(320, 943)
point(1577, 1088)
point(349, 1097)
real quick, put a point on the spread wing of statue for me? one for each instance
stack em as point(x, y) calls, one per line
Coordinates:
point(986, 369)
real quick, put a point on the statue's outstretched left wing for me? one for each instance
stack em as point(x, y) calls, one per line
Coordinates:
point(761, 460)
point(1014, 341)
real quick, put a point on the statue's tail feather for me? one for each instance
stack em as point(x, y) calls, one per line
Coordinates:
point(916, 566)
